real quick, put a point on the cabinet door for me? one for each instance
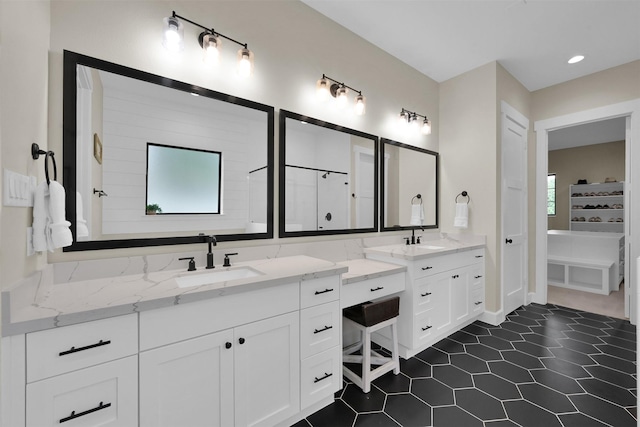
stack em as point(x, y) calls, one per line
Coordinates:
point(189, 383)
point(460, 285)
point(102, 395)
point(441, 297)
point(267, 371)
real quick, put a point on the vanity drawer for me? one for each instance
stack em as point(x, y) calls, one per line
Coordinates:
point(477, 300)
point(320, 376)
point(65, 349)
point(319, 291)
point(370, 289)
point(423, 295)
point(320, 328)
point(424, 327)
point(97, 396)
point(438, 264)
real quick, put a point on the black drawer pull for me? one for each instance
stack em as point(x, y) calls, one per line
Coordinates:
point(326, 375)
point(377, 289)
point(425, 294)
point(478, 302)
point(75, 350)
point(326, 328)
point(324, 292)
point(479, 256)
point(427, 268)
point(477, 277)
point(73, 415)
point(455, 276)
point(427, 328)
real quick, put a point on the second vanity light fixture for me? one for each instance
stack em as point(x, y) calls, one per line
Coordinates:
point(327, 86)
point(210, 41)
point(411, 118)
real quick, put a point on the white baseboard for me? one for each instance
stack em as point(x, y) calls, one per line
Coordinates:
point(493, 317)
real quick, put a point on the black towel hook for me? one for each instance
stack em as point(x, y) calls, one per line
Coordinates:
point(417, 196)
point(35, 154)
point(464, 194)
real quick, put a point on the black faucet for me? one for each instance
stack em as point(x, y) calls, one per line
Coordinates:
point(192, 263)
point(227, 263)
point(414, 239)
point(211, 241)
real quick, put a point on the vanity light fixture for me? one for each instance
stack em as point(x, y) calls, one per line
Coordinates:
point(210, 41)
point(412, 118)
point(327, 86)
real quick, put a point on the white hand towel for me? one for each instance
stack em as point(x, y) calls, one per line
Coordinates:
point(417, 215)
point(40, 217)
point(462, 216)
point(81, 223)
point(60, 233)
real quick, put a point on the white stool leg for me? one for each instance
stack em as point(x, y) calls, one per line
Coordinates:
point(366, 360)
point(394, 356)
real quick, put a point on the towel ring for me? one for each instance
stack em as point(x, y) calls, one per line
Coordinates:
point(464, 194)
point(35, 154)
point(417, 196)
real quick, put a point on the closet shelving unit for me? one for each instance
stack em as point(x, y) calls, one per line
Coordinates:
point(605, 214)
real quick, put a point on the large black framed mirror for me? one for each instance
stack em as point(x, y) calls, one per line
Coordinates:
point(408, 186)
point(217, 146)
point(328, 178)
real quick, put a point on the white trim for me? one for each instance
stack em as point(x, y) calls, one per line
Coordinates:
point(493, 317)
point(632, 242)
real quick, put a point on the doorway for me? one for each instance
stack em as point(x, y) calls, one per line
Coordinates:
point(630, 110)
point(585, 246)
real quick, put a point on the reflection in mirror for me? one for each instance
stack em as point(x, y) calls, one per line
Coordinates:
point(328, 178)
point(407, 172)
point(216, 169)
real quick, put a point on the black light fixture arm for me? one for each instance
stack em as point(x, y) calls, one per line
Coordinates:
point(208, 30)
point(324, 76)
point(413, 113)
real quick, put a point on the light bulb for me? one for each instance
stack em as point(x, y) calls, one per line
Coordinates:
point(402, 118)
point(360, 105)
point(426, 127)
point(211, 48)
point(413, 122)
point(173, 34)
point(322, 89)
point(245, 62)
point(341, 97)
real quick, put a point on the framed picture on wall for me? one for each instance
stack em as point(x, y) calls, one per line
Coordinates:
point(97, 148)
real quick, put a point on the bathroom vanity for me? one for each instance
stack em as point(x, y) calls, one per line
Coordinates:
point(254, 344)
point(444, 290)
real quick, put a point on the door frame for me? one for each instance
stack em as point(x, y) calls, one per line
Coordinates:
point(632, 156)
point(507, 112)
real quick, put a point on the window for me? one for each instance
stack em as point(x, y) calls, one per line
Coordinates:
point(551, 194)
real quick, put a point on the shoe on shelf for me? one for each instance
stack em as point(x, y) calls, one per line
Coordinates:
point(581, 219)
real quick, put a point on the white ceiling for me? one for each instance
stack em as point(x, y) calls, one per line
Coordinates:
point(532, 39)
point(588, 134)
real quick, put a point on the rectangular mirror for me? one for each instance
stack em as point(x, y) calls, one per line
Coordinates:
point(328, 178)
point(129, 134)
point(409, 186)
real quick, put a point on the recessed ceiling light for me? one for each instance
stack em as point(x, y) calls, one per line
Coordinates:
point(576, 59)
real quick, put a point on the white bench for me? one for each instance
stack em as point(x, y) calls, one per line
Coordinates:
point(581, 274)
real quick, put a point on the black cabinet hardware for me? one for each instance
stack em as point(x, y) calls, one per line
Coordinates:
point(455, 276)
point(324, 377)
point(326, 328)
point(377, 289)
point(324, 292)
point(73, 415)
point(227, 345)
point(425, 294)
point(426, 268)
point(478, 302)
point(508, 241)
point(241, 340)
point(427, 328)
point(478, 256)
point(75, 350)
point(477, 277)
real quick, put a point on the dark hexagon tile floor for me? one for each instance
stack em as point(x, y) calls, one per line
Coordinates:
point(544, 366)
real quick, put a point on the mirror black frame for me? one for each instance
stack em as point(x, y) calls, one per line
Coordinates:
point(383, 142)
point(69, 125)
point(282, 181)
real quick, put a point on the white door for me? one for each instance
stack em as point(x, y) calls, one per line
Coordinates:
point(364, 187)
point(189, 383)
point(514, 209)
point(333, 201)
point(267, 371)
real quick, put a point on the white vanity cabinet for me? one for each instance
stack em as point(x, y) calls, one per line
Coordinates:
point(443, 294)
point(85, 374)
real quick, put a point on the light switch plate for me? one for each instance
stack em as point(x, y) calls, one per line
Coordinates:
point(17, 189)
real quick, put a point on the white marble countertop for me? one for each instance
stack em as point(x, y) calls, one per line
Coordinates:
point(39, 304)
point(427, 249)
point(365, 269)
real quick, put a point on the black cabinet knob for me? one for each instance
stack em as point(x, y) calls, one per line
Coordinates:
point(241, 340)
point(508, 241)
point(227, 345)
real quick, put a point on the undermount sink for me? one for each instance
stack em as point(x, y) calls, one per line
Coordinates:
point(214, 277)
point(431, 247)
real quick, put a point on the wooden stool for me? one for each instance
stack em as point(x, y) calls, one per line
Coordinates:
point(368, 318)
